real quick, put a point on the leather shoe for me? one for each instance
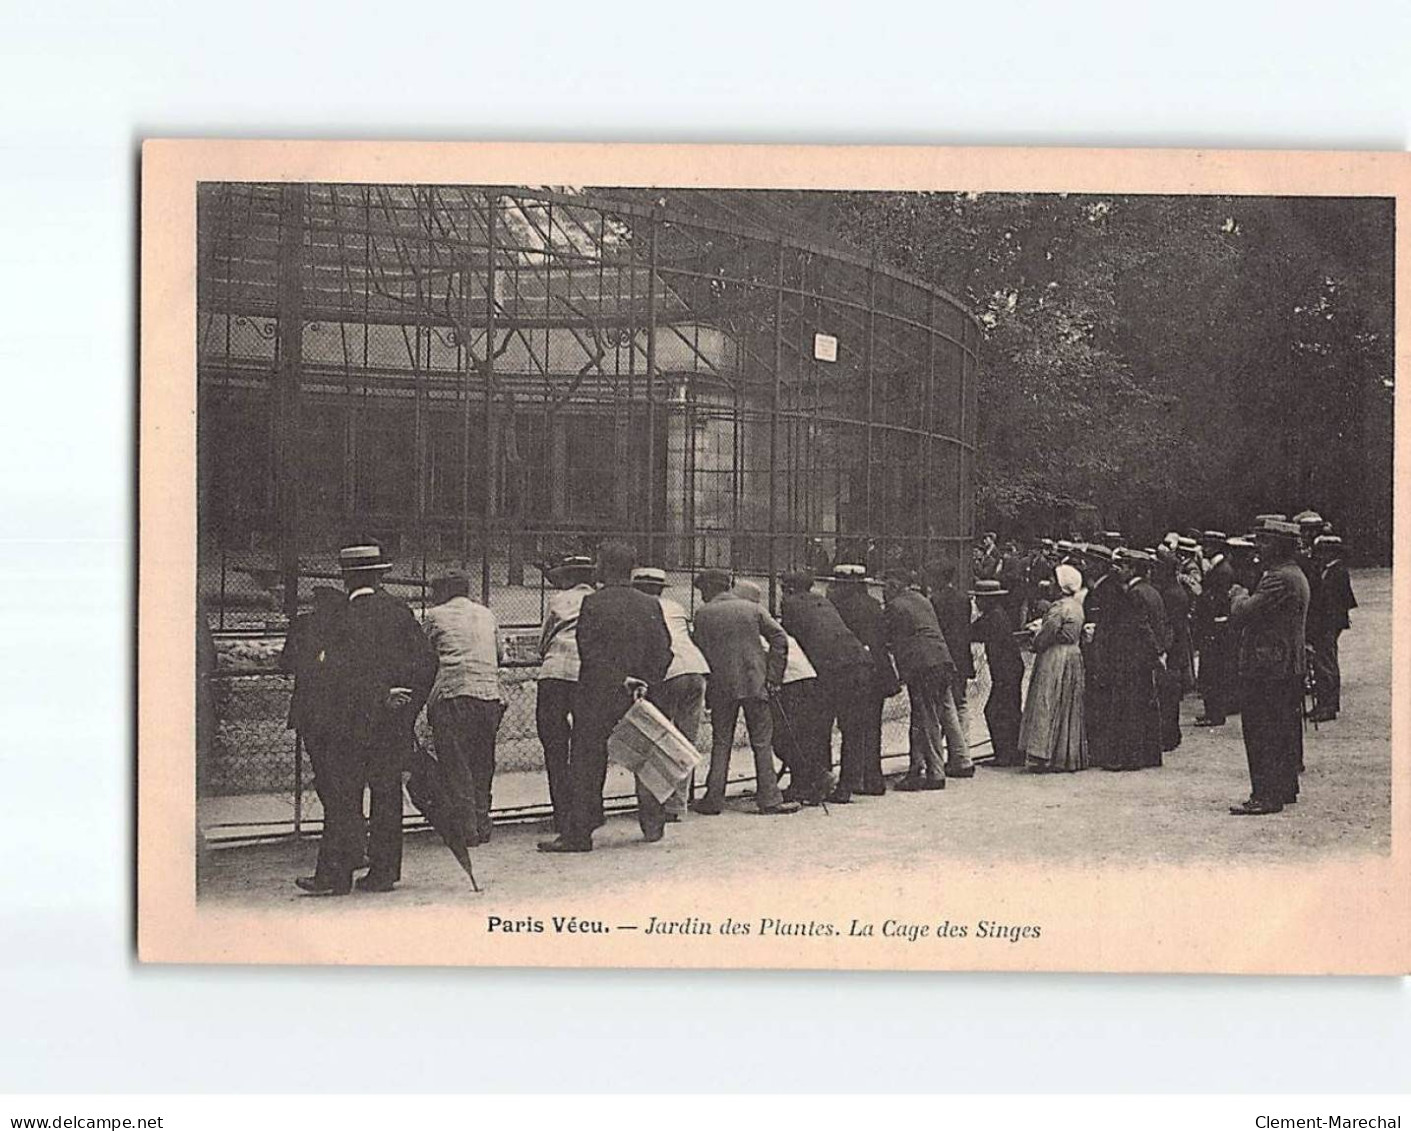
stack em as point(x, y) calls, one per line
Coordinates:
point(878, 790)
point(370, 883)
point(706, 808)
point(840, 796)
point(930, 784)
point(1254, 809)
point(317, 885)
point(910, 784)
point(673, 818)
point(963, 772)
point(781, 809)
point(562, 844)
point(653, 834)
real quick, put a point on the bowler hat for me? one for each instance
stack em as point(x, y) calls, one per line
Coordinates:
point(709, 578)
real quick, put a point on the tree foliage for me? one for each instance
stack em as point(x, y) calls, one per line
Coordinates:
point(1175, 360)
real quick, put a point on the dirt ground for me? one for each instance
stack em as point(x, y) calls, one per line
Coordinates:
point(1177, 813)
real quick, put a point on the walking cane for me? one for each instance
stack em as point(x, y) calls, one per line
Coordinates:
point(793, 738)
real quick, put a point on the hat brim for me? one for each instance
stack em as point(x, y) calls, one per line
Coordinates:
point(989, 592)
point(374, 567)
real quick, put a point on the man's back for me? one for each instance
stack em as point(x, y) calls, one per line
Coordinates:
point(621, 633)
point(728, 629)
point(827, 641)
point(465, 636)
point(915, 635)
point(952, 609)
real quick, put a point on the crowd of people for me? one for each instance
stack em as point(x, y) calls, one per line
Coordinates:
point(1119, 635)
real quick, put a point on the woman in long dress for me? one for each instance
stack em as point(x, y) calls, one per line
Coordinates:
point(1051, 736)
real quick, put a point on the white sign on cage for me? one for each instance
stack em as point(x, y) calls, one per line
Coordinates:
point(825, 347)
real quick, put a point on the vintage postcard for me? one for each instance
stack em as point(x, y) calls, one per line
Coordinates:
point(795, 557)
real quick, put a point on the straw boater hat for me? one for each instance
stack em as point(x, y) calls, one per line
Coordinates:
point(1327, 542)
point(649, 575)
point(849, 572)
point(571, 566)
point(1097, 550)
point(1187, 545)
point(1214, 536)
point(1278, 528)
point(987, 587)
point(364, 556)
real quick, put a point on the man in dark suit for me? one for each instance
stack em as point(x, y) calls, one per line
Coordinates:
point(1271, 621)
point(381, 668)
point(1329, 604)
point(1218, 667)
point(844, 675)
point(952, 609)
point(311, 713)
point(1137, 638)
point(861, 761)
point(624, 648)
point(925, 666)
point(731, 633)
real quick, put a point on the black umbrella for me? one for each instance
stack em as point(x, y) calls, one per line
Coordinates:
point(426, 788)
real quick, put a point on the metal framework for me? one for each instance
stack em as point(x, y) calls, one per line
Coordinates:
point(498, 375)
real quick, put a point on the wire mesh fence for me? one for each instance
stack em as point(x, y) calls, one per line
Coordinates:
point(490, 378)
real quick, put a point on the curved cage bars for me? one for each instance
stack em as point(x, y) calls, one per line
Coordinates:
point(491, 377)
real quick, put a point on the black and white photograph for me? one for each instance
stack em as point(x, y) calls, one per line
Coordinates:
point(718, 555)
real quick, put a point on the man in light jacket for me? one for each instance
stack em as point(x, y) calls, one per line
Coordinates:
point(466, 701)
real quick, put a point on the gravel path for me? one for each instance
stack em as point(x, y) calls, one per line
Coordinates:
point(1176, 814)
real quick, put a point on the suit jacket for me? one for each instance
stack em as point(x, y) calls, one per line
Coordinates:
point(1271, 620)
point(995, 629)
point(952, 608)
point(377, 646)
point(1332, 600)
point(727, 629)
point(303, 656)
point(1176, 600)
point(862, 613)
point(812, 620)
point(1214, 600)
point(621, 633)
point(914, 636)
point(1133, 629)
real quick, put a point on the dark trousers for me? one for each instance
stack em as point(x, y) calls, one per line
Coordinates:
point(844, 698)
point(553, 718)
point(322, 747)
point(1003, 714)
point(1273, 738)
point(861, 760)
point(465, 731)
point(1168, 686)
point(796, 710)
point(377, 766)
point(1327, 671)
point(595, 713)
point(1218, 676)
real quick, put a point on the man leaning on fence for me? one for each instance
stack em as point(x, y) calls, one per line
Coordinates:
point(466, 702)
point(728, 629)
point(623, 649)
